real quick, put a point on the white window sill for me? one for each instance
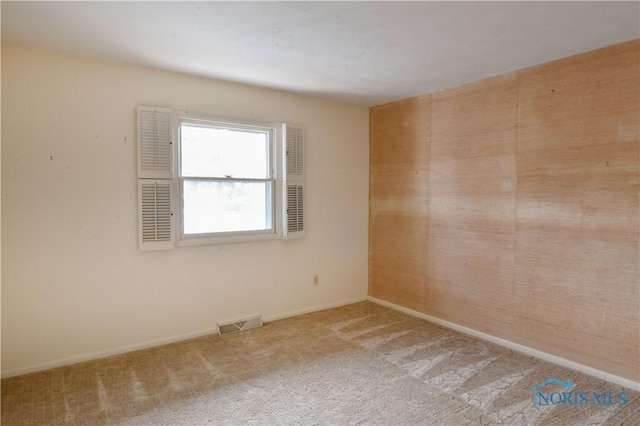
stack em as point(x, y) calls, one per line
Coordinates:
point(212, 240)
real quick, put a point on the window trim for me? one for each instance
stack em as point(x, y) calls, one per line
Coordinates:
point(277, 178)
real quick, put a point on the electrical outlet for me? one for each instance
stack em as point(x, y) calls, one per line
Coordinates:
point(316, 279)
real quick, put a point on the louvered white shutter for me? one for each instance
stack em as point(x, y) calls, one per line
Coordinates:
point(155, 153)
point(155, 204)
point(156, 200)
point(294, 226)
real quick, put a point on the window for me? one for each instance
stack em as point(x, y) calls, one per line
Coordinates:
point(223, 181)
point(227, 179)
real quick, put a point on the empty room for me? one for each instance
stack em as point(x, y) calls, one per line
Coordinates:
point(327, 213)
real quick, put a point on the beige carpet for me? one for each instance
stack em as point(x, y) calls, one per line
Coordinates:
point(359, 364)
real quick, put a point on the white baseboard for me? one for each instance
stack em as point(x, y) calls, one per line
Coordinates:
point(630, 384)
point(105, 353)
point(290, 314)
point(159, 342)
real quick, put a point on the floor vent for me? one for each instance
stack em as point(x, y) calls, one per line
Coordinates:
point(245, 324)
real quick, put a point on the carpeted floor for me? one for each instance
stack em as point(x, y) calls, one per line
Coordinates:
point(358, 364)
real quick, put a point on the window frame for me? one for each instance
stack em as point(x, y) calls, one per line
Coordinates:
point(276, 159)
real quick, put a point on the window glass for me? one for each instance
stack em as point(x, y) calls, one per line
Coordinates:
point(226, 180)
point(226, 206)
point(209, 151)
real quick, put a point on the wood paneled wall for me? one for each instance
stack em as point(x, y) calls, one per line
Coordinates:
point(399, 201)
point(511, 206)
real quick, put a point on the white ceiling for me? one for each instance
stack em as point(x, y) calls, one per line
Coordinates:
point(362, 52)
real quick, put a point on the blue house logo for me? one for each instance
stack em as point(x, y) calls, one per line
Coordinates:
point(572, 397)
point(546, 397)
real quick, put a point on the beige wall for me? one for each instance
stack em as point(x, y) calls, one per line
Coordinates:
point(510, 206)
point(74, 284)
